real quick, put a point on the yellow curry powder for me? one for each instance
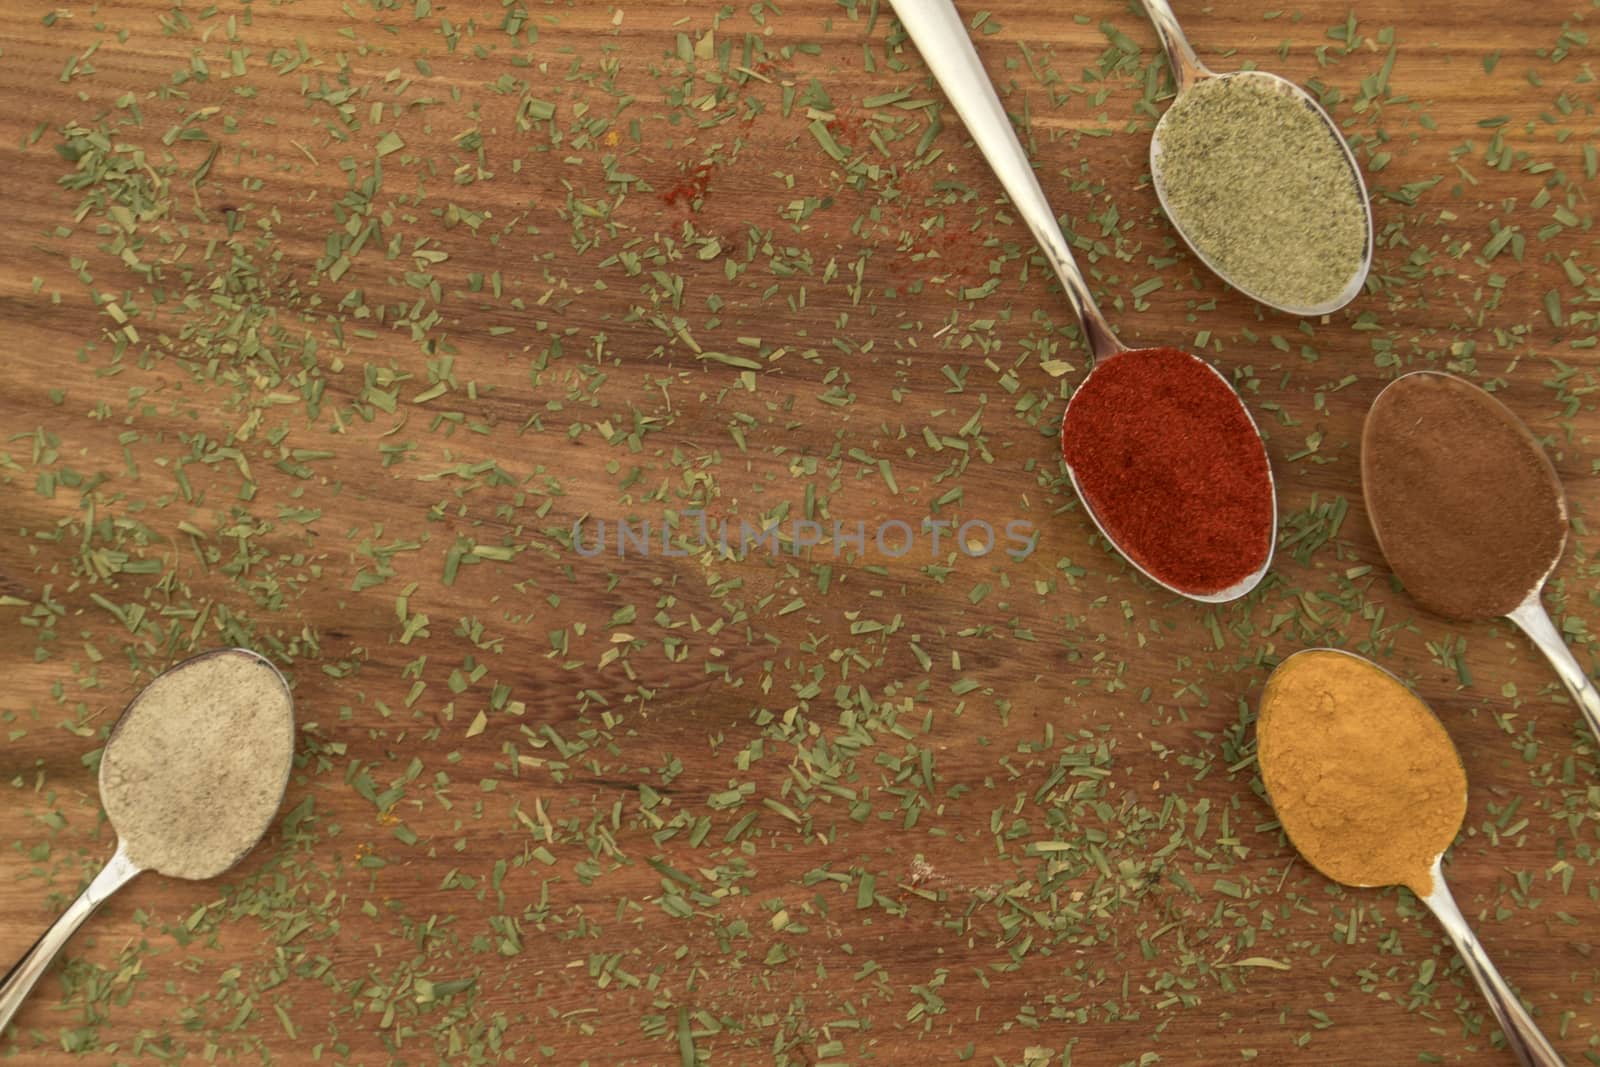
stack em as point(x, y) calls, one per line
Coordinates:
point(1364, 778)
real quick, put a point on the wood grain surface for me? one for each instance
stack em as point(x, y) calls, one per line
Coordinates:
point(326, 322)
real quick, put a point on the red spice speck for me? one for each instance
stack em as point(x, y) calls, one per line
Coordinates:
point(959, 254)
point(691, 187)
point(956, 249)
point(847, 127)
point(1172, 467)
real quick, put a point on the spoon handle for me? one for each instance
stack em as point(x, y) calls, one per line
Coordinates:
point(1531, 1047)
point(1186, 66)
point(936, 28)
point(27, 971)
point(1535, 622)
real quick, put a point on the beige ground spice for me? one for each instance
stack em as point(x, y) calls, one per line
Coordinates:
point(196, 767)
point(1364, 778)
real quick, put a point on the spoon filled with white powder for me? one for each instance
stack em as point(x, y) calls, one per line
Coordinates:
point(191, 778)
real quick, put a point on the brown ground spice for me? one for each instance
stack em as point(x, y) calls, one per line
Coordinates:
point(1464, 502)
point(1364, 778)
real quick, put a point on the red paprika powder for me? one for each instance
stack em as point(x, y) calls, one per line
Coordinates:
point(1167, 459)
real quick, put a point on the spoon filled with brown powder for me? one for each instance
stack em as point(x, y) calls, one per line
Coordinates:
point(1370, 790)
point(191, 778)
point(1468, 510)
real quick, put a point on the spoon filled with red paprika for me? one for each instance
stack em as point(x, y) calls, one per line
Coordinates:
point(1159, 447)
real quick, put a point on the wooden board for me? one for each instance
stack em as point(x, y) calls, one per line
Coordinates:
point(326, 323)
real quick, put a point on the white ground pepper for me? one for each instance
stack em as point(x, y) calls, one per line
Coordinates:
point(196, 767)
point(1259, 186)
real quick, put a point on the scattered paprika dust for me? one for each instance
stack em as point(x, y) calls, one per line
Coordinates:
point(691, 187)
point(847, 127)
point(1362, 775)
point(1167, 459)
point(960, 255)
point(957, 249)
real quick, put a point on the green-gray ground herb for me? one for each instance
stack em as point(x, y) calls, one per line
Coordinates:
point(1259, 187)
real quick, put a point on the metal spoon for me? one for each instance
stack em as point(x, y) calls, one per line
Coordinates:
point(1523, 1036)
point(120, 868)
point(1529, 613)
point(1187, 71)
point(939, 34)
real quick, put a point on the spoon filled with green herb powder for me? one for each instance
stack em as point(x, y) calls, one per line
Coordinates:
point(1258, 180)
point(191, 777)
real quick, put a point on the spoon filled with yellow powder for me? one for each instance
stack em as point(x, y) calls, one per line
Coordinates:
point(1371, 791)
point(191, 778)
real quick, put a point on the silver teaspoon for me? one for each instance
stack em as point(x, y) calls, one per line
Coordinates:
point(1222, 216)
point(1458, 500)
point(936, 28)
point(1526, 1041)
point(1287, 726)
point(187, 719)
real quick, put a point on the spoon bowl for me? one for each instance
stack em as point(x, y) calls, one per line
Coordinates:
point(940, 35)
point(1209, 242)
point(152, 834)
point(1106, 524)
